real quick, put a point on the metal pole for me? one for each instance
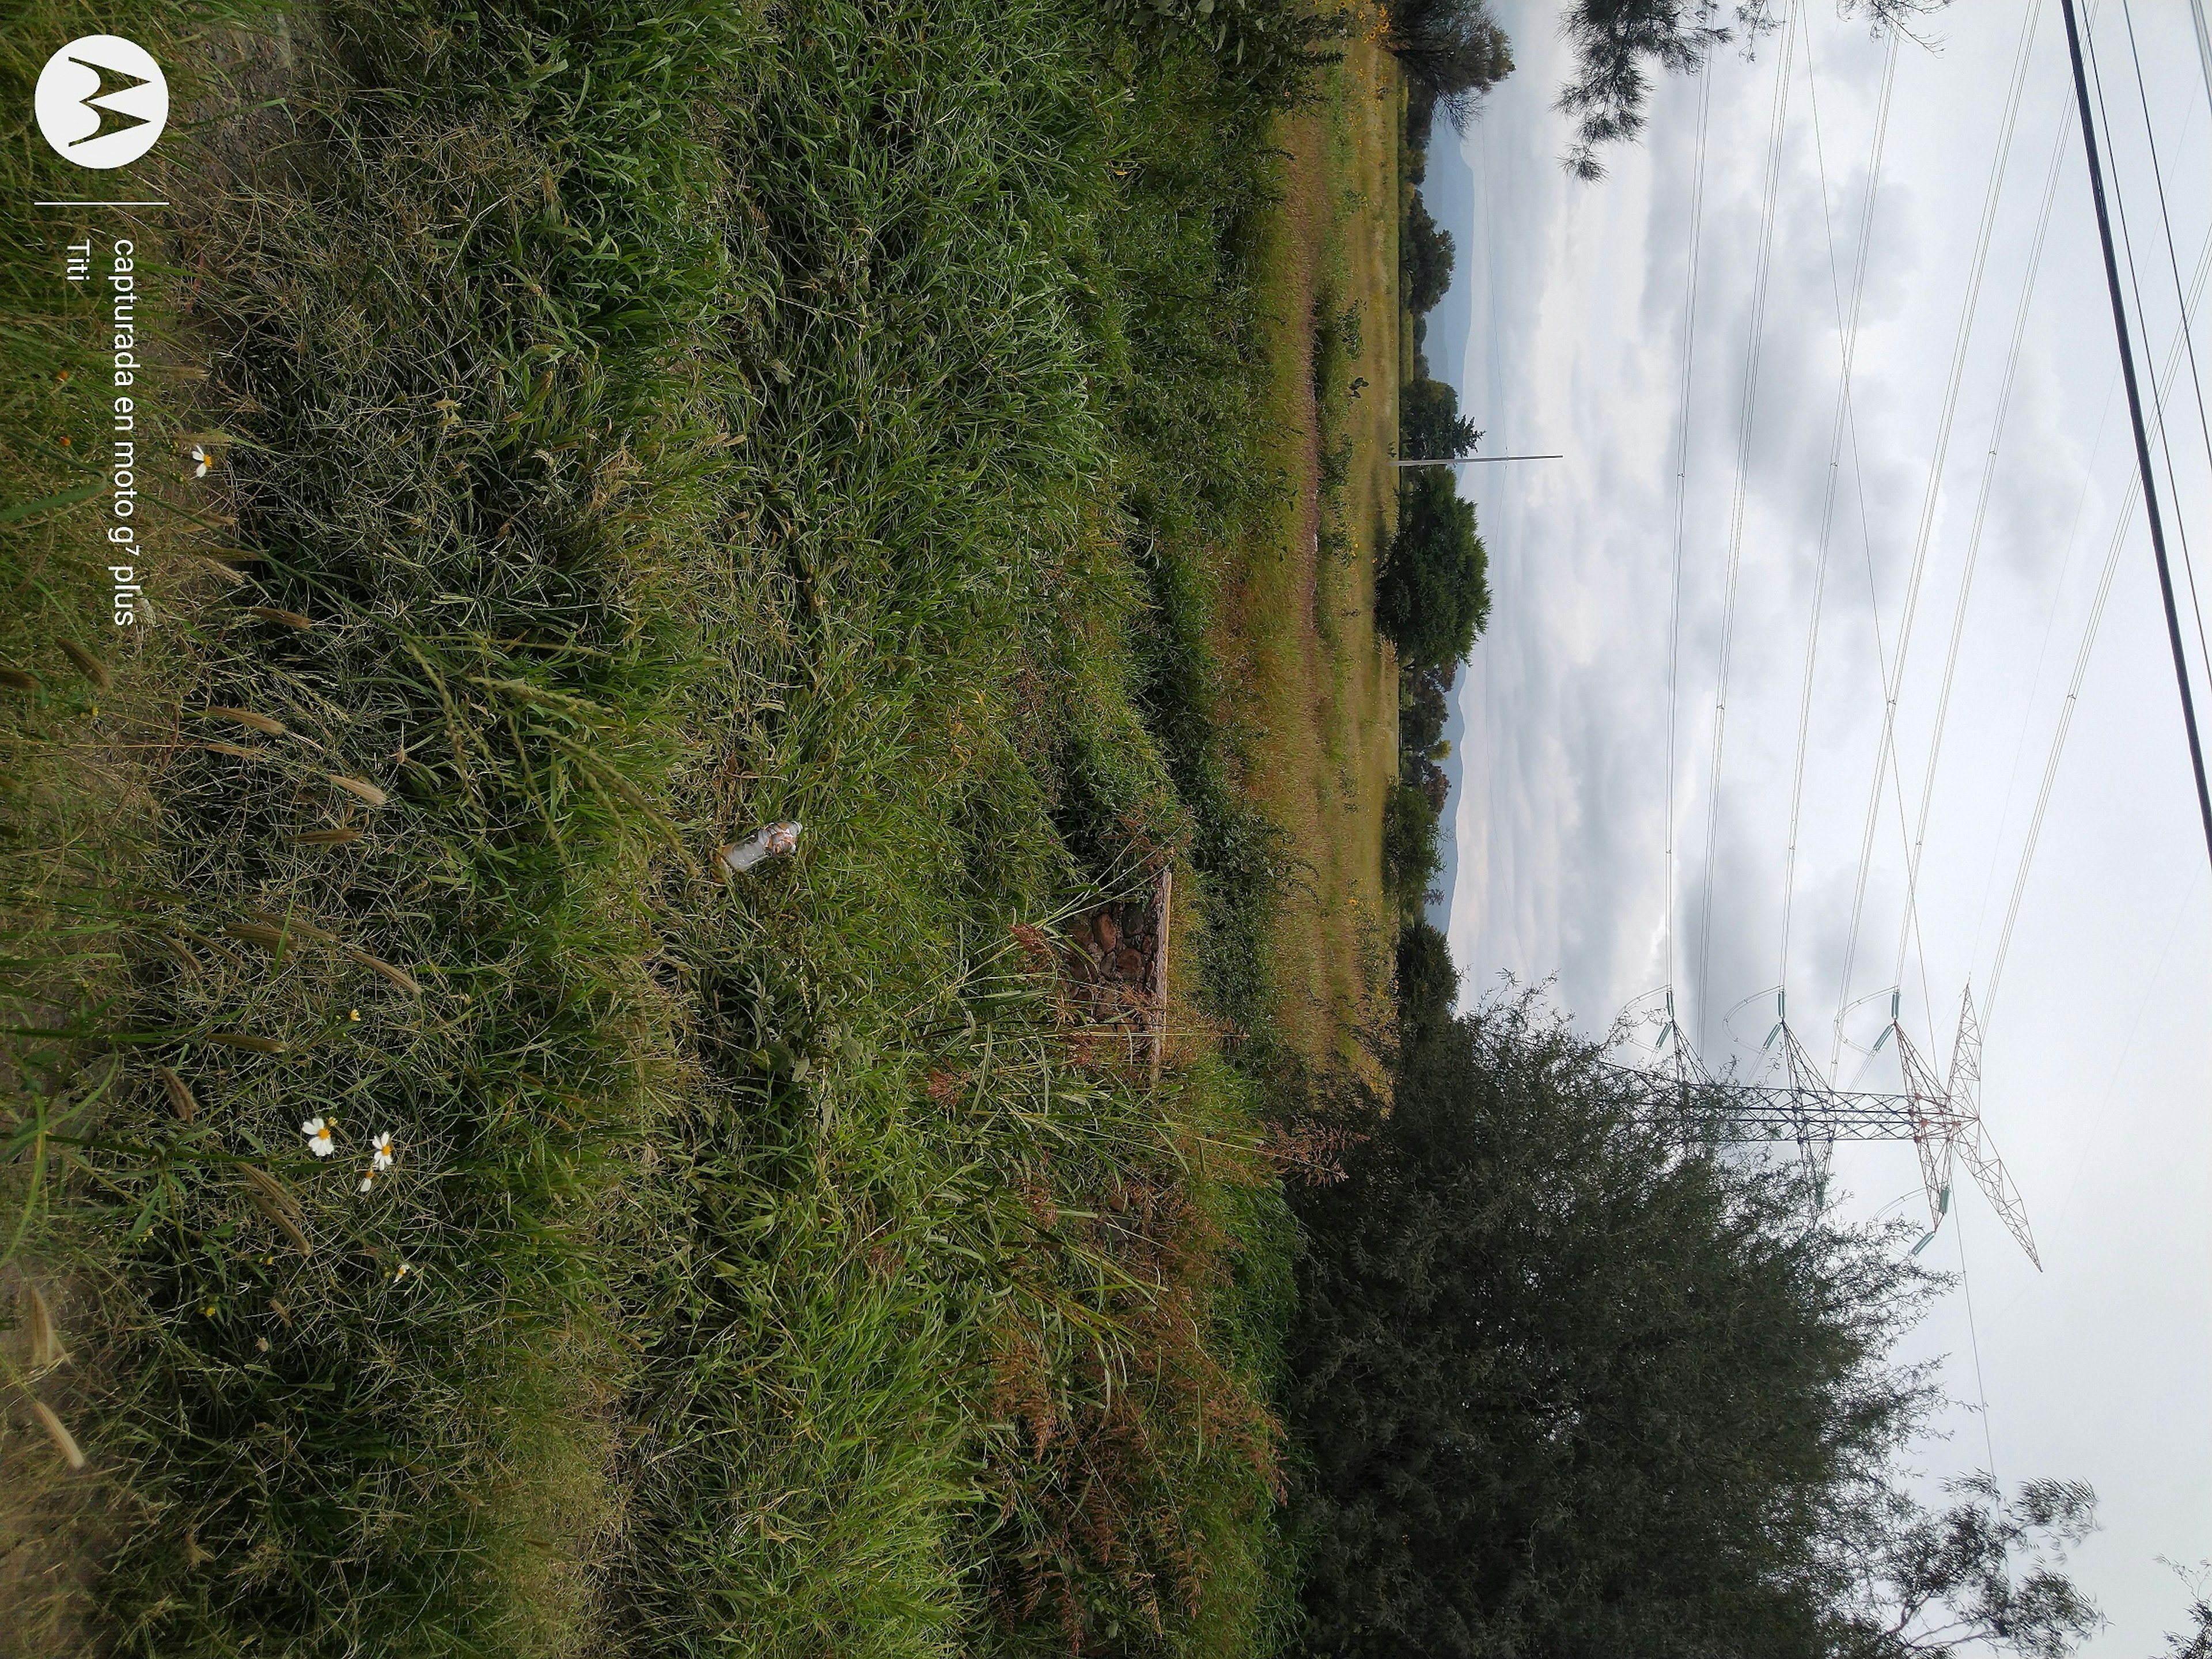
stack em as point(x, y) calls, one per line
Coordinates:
point(1470, 460)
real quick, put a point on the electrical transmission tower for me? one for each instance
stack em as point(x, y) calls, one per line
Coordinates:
point(1790, 1101)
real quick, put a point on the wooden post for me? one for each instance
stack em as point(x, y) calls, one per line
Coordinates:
point(1161, 905)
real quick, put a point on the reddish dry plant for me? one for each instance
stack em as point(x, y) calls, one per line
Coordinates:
point(1035, 948)
point(1031, 691)
point(1309, 1150)
point(1036, 1199)
point(1022, 1393)
point(1101, 1047)
point(1098, 1487)
point(1156, 845)
point(944, 1085)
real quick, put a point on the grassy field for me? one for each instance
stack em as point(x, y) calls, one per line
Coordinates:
point(572, 435)
point(1320, 685)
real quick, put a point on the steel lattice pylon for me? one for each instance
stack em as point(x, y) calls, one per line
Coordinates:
point(1941, 1116)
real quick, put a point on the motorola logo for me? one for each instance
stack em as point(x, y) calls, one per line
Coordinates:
point(102, 101)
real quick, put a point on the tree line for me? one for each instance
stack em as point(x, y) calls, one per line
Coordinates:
point(1432, 590)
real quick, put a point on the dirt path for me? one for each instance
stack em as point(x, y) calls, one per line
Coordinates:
point(1317, 688)
point(1306, 226)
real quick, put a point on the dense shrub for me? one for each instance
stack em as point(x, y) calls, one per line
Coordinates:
point(1425, 259)
point(1410, 854)
point(1433, 597)
point(1565, 1391)
point(1428, 984)
point(1569, 1388)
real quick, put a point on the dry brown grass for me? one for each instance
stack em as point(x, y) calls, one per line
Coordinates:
point(1111, 1454)
point(52, 1530)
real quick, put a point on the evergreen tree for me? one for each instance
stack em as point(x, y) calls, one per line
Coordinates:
point(2196, 1643)
point(1619, 43)
point(1423, 708)
point(1430, 426)
point(1422, 712)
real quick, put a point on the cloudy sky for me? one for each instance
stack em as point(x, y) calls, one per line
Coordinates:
point(1565, 331)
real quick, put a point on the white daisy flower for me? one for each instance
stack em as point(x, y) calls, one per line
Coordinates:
point(382, 1147)
point(402, 1271)
point(204, 461)
point(367, 1180)
point(318, 1133)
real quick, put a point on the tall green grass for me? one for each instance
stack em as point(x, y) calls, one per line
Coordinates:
point(663, 419)
point(1184, 358)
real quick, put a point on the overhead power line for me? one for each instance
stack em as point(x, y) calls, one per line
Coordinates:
point(2193, 301)
point(2112, 551)
point(2114, 547)
point(1681, 487)
point(1847, 326)
point(1908, 923)
point(1742, 486)
point(2204, 42)
point(2136, 418)
point(1885, 744)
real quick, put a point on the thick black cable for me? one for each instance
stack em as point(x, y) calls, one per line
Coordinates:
point(2089, 631)
point(2188, 337)
point(2135, 417)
